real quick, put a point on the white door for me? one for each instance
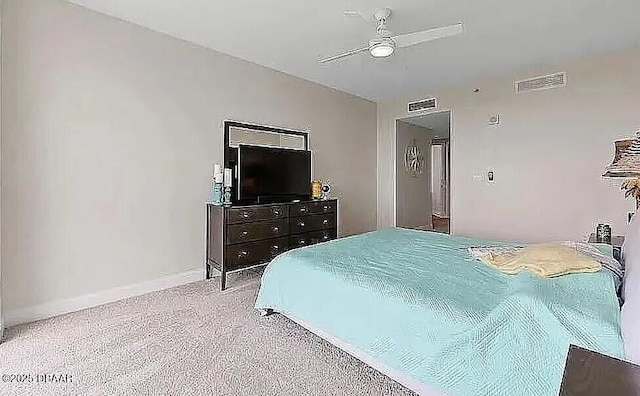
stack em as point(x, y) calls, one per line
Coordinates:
point(440, 179)
point(437, 180)
point(446, 183)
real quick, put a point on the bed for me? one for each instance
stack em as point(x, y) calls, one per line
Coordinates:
point(414, 305)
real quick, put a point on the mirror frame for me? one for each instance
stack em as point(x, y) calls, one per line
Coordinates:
point(228, 151)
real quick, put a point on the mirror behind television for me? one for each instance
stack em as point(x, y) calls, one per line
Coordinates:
point(269, 164)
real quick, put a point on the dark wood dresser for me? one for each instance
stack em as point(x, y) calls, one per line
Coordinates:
point(243, 237)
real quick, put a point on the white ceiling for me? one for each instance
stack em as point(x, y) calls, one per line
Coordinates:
point(439, 123)
point(291, 35)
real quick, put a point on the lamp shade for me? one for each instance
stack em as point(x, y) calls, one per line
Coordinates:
point(626, 163)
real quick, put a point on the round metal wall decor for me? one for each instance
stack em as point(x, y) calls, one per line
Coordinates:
point(413, 159)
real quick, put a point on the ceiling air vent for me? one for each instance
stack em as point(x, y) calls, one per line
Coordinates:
point(541, 83)
point(421, 105)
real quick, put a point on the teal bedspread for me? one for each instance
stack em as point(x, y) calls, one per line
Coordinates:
point(415, 301)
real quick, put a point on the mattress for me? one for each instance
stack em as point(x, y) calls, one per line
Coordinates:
point(415, 302)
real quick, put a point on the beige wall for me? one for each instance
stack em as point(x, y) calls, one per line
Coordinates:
point(109, 136)
point(413, 193)
point(548, 154)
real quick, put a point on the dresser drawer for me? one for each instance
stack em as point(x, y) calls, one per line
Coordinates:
point(256, 213)
point(312, 223)
point(247, 254)
point(296, 241)
point(249, 232)
point(323, 236)
point(318, 207)
point(311, 238)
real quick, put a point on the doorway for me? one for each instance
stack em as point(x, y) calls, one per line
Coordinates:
point(440, 175)
point(423, 163)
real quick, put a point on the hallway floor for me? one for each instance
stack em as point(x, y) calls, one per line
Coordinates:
point(440, 224)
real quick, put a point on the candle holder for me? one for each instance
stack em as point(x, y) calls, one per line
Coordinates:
point(216, 187)
point(227, 196)
point(228, 182)
point(217, 193)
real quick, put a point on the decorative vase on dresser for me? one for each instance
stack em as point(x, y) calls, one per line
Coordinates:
point(243, 237)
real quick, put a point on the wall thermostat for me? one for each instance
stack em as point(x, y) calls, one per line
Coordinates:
point(490, 176)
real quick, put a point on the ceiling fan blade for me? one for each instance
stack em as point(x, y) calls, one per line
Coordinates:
point(354, 13)
point(407, 40)
point(348, 53)
point(360, 17)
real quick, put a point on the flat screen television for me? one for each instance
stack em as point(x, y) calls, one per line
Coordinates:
point(267, 174)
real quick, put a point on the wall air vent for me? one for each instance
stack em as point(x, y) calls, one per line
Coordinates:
point(541, 83)
point(421, 105)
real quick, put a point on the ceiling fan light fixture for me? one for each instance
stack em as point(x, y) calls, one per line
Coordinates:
point(385, 43)
point(382, 48)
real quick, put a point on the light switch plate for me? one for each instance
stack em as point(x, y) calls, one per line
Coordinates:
point(494, 119)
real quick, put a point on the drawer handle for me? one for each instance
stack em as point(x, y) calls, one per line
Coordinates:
point(302, 242)
point(244, 233)
point(245, 215)
point(301, 223)
point(303, 209)
point(243, 254)
point(276, 213)
point(325, 221)
point(326, 207)
point(325, 237)
point(275, 248)
point(276, 229)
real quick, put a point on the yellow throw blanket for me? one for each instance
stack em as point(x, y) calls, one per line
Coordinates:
point(546, 260)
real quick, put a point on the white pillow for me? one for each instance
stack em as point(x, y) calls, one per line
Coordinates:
point(630, 314)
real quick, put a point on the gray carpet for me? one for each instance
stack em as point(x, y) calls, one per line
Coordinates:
point(189, 340)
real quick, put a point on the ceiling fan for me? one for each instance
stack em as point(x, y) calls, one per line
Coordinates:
point(385, 44)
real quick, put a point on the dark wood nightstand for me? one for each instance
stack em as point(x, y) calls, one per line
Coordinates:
point(589, 373)
point(616, 242)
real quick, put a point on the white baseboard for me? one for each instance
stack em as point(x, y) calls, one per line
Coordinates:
point(59, 307)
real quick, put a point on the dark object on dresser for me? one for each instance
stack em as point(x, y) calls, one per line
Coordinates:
point(242, 237)
point(589, 373)
point(616, 242)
